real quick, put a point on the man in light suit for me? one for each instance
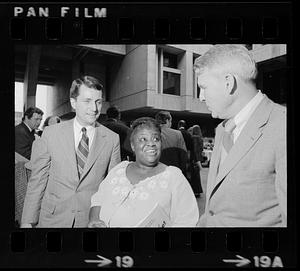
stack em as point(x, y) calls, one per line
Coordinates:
point(173, 148)
point(247, 180)
point(65, 176)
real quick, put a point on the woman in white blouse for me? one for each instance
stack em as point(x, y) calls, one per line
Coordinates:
point(144, 193)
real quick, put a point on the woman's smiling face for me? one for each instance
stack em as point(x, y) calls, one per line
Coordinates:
point(146, 144)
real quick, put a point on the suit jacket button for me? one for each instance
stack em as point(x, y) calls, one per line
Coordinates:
point(211, 213)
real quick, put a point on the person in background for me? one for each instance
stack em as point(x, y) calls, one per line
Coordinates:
point(49, 121)
point(25, 131)
point(196, 159)
point(174, 152)
point(186, 135)
point(189, 146)
point(69, 162)
point(132, 189)
point(115, 124)
point(247, 180)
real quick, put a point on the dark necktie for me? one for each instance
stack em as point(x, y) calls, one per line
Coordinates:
point(228, 136)
point(82, 151)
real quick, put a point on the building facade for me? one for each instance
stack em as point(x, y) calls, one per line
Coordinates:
point(139, 79)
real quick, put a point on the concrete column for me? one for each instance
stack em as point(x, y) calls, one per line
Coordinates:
point(152, 67)
point(185, 64)
point(187, 82)
point(160, 60)
point(188, 74)
point(30, 101)
point(31, 74)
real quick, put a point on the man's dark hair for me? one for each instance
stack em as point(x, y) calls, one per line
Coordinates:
point(31, 110)
point(88, 81)
point(162, 117)
point(113, 112)
point(181, 123)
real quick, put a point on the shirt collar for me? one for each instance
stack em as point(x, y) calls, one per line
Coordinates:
point(247, 110)
point(78, 126)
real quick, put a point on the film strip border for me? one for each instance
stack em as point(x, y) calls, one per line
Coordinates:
point(267, 29)
point(151, 23)
point(228, 23)
point(144, 247)
point(235, 241)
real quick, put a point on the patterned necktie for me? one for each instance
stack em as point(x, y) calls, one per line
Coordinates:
point(82, 151)
point(228, 136)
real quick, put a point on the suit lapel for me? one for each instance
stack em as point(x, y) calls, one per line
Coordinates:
point(69, 147)
point(29, 133)
point(95, 150)
point(26, 129)
point(248, 137)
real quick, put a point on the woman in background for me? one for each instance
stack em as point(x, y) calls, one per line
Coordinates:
point(196, 159)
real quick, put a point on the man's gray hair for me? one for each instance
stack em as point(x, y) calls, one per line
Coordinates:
point(228, 58)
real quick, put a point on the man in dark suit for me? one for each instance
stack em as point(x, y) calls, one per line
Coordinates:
point(115, 124)
point(174, 152)
point(189, 145)
point(186, 135)
point(24, 132)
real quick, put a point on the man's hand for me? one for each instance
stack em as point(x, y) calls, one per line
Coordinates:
point(97, 224)
point(26, 225)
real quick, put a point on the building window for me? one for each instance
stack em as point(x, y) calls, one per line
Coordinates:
point(196, 92)
point(40, 100)
point(275, 85)
point(169, 74)
point(170, 60)
point(196, 87)
point(171, 83)
point(18, 102)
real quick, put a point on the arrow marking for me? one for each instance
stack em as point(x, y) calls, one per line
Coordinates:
point(102, 262)
point(239, 262)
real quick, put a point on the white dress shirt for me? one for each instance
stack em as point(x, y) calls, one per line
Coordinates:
point(242, 118)
point(244, 115)
point(90, 130)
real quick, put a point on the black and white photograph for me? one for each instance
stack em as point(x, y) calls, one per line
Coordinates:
point(150, 135)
